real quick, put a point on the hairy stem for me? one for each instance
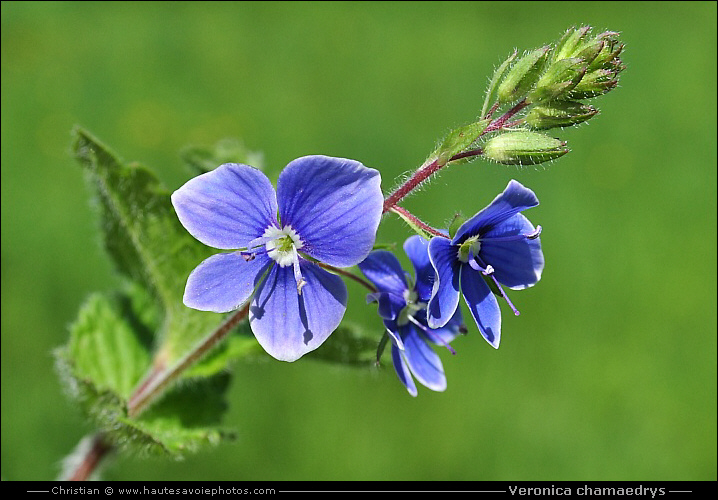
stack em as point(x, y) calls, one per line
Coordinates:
point(431, 167)
point(415, 220)
point(151, 387)
point(158, 379)
point(99, 448)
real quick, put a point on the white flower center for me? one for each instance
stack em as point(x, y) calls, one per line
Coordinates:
point(282, 244)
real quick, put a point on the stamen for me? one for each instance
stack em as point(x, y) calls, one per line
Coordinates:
point(477, 267)
point(490, 272)
point(256, 242)
point(531, 236)
point(506, 297)
point(248, 256)
point(432, 335)
point(301, 282)
point(535, 234)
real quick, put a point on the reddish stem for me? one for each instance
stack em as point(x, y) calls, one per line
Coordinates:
point(349, 275)
point(159, 378)
point(428, 169)
point(415, 220)
point(98, 450)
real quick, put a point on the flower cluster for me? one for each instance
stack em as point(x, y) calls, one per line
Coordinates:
point(402, 305)
point(290, 248)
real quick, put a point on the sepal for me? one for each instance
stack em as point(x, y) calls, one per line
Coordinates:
point(523, 75)
point(554, 114)
point(523, 147)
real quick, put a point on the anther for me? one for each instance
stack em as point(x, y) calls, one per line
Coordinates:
point(534, 234)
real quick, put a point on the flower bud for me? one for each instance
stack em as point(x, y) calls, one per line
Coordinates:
point(523, 147)
point(569, 42)
point(559, 114)
point(558, 79)
point(593, 84)
point(522, 75)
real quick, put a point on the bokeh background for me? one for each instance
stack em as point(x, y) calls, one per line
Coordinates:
point(608, 374)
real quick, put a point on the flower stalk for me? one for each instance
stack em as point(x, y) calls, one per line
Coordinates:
point(159, 378)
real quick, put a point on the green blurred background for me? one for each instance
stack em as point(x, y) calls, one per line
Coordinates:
point(609, 372)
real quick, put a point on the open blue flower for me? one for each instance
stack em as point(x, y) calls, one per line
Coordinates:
point(325, 210)
point(402, 305)
point(497, 246)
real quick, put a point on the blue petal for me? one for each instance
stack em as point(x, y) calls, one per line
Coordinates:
point(513, 200)
point(483, 305)
point(445, 293)
point(288, 325)
point(227, 207)
point(402, 370)
point(383, 269)
point(389, 305)
point(417, 248)
point(224, 281)
point(517, 264)
point(334, 205)
point(447, 333)
point(423, 362)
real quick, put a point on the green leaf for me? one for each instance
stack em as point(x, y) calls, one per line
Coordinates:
point(181, 422)
point(458, 140)
point(103, 362)
point(146, 241)
point(104, 356)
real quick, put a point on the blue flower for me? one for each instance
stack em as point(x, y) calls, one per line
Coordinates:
point(402, 305)
point(325, 210)
point(497, 246)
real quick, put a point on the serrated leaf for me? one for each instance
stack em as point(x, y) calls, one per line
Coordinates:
point(104, 352)
point(102, 363)
point(147, 242)
point(181, 422)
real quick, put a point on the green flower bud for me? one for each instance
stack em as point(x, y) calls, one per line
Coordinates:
point(558, 79)
point(522, 75)
point(498, 73)
point(590, 50)
point(559, 114)
point(569, 42)
point(523, 147)
point(593, 84)
point(608, 56)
